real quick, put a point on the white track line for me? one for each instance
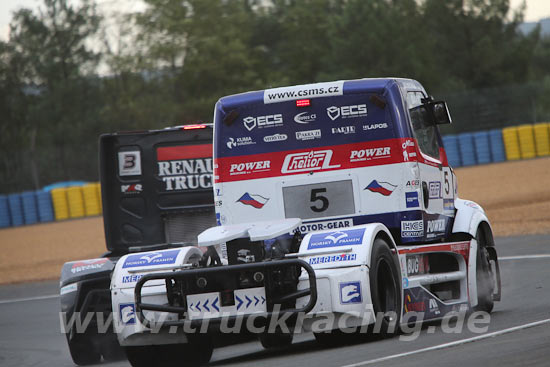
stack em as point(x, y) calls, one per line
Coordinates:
point(50, 296)
point(451, 344)
point(521, 257)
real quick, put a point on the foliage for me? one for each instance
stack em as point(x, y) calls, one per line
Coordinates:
point(172, 62)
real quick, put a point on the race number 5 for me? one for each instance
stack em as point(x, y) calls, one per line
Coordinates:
point(321, 202)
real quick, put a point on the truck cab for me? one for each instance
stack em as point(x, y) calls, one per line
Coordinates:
point(367, 151)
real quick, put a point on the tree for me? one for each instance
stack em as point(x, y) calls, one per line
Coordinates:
point(53, 85)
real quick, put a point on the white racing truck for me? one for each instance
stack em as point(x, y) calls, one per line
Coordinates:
point(336, 207)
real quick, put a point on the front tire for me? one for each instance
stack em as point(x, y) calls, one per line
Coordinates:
point(484, 275)
point(83, 352)
point(385, 287)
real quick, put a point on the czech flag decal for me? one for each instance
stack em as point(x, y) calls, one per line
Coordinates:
point(257, 201)
point(384, 188)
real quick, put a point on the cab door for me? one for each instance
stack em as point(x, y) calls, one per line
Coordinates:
point(435, 180)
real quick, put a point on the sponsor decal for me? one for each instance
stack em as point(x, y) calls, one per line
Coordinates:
point(434, 307)
point(343, 130)
point(305, 118)
point(347, 111)
point(151, 259)
point(68, 289)
point(283, 94)
point(129, 163)
point(249, 167)
point(414, 306)
point(412, 228)
point(332, 259)
point(308, 161)
point(405, 282)
point(448, 205)
point(134, 188)
point(437, 225)
point(237, 142)
point(127, 312)
point(184, 167)
point(472, 205)
point(434, 189)
point(368, 154)
point(256, 201)
point(413, 184)
point(275, 138)
point(350, 292)
point(348, 237)
point(382, 125)
point(406, 154)
point(417, 264)
point(384, 188)
point(324, 225)
point(308, 134)
point(411, 199)
point(85, 265)
point(407, 143)
point(131, 278)
point(263, 121)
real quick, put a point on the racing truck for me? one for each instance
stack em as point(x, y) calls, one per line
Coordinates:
point(157, 194)
point(334, 201)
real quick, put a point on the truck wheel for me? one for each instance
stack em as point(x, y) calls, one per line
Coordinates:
point(275, 340)
point(484, 275)
point(385, 288)
point(83, 352)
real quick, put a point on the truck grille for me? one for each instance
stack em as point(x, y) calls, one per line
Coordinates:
point(184, 227)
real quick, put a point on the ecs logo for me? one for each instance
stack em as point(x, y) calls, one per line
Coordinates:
point(263, 121)
point(359, 110)
point(350, 292)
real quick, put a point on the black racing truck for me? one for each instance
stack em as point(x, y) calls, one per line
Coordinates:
point(156, 189)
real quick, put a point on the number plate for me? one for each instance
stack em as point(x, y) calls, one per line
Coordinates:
point(319, 200)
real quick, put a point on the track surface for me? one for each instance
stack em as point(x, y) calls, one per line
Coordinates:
point(30, 333)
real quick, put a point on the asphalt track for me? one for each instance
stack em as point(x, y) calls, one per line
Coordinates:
point(518, 333)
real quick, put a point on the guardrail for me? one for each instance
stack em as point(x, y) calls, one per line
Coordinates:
point(57, 204)
point(491, 146)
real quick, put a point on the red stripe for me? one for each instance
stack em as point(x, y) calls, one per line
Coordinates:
point(184, 152)
point(451, 247)
point(271, 164)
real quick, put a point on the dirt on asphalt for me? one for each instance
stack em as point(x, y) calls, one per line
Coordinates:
point(515, 195)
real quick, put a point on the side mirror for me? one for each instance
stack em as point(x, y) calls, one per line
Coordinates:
point(440, 112)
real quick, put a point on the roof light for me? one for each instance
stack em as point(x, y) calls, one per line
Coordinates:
point(195, 126)
point(303, 102)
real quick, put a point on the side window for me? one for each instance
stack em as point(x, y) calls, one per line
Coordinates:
point(424, 131)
